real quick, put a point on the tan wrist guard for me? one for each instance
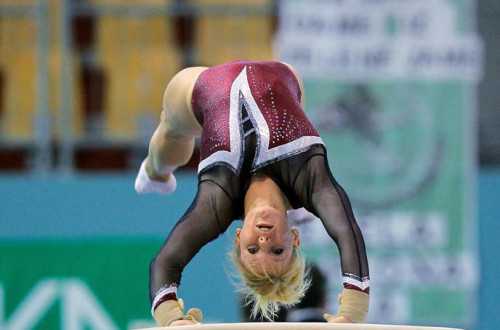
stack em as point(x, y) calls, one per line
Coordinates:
point(173, 310)
point(354, 305)
point(168, 312)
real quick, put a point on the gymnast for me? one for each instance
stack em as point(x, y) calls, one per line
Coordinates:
point(260, 157)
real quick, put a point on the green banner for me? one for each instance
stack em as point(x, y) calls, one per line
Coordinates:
point(101, 284)
point(398, 151)
point(63, 285)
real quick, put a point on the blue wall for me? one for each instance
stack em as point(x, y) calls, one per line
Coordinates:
point(89, 207)
point(489, 245)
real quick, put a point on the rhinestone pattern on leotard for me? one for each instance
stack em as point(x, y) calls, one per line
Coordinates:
point(271, 94)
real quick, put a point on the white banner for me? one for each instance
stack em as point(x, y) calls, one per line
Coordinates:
point(366, 40)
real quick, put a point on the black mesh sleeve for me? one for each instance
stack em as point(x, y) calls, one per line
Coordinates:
point(325, 198)
point(308, 182)
point(209, 215)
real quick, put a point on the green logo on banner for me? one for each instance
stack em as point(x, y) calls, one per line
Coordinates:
point(391, 145)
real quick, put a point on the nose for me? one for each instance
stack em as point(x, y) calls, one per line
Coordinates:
point(263, 239)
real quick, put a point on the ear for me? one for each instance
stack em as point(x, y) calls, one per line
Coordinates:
point(296, 237)
point(237, 239)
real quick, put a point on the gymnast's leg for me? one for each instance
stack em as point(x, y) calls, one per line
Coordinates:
point(168, 149)
point(173, 141)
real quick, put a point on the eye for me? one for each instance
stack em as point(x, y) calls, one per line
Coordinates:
point(278, 251)
point(253, 250)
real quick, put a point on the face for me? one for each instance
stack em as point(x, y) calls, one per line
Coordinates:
point(266, 241)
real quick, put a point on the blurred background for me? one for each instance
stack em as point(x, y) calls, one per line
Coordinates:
point(403, 92)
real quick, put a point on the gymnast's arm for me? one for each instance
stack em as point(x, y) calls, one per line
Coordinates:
point(208, 216)
point(326, 199)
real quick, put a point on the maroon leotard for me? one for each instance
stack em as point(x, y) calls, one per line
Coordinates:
point(270, 92)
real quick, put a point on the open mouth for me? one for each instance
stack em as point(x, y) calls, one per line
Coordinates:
point(264, 226)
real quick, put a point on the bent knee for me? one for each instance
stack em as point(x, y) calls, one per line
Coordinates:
point(169, 128)
point(178, 125)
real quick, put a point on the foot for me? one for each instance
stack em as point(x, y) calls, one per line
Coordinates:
point(144, 184)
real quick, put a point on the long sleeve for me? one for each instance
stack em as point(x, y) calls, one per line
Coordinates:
point(308, 182)
point(208, 216)
point(324, 197)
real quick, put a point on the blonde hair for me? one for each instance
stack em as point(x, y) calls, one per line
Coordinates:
point(269, 293)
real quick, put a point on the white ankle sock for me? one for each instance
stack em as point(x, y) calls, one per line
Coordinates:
point(144, 185)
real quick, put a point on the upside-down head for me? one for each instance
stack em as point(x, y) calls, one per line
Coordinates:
point(266, 255)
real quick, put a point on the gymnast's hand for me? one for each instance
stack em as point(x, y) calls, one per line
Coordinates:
point(183, 322)
point(171, 313)
point(337, 319)
point(353, 307)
